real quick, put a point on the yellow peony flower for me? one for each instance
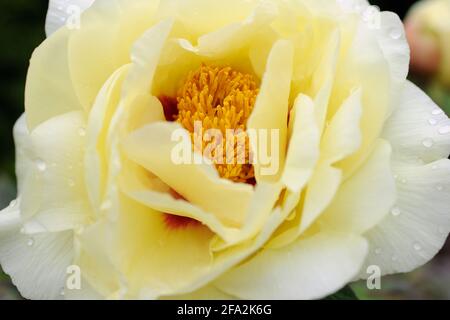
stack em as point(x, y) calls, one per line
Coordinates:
point(344, 161)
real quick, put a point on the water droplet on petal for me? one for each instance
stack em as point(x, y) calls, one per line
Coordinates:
point(395, 33)
point(403, 180)
point(13, 203)
point(41, 165)
point(417, 246)
point(395, 211)
point(428, 142)
point(434, 166)
point(437, 111)
point(62, 292)
point(30, 242)
point(444, 129)
point(439, 188)
point(432, 121)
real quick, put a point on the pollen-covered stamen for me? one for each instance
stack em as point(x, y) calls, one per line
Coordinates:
point(223, 99)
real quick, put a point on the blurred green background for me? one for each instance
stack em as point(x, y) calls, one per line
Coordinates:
point(22, 29)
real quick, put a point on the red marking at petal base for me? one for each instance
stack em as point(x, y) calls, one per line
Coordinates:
point(170, 107)
point(174, 222)
point(251, 181)
point(176, 195)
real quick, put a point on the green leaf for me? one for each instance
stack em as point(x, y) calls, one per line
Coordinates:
point(441, 95)
point(345, 293)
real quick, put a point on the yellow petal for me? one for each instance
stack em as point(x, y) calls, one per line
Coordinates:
point(96, 150)
point(271, 108)
point(310, 268)
point(49, 90)
point(152, 147)
point(365, 199)
point(102, 43)
point(303, 150)
point(54, 197)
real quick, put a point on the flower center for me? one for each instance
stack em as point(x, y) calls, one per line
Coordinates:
point(221, 99)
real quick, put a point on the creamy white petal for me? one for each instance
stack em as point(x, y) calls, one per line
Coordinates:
point(50, 177)
point(418, 130)
point(60, 12)
point(86, 292)
point(37, 265)
point(24, 149)
point(390, 33)
point(309, 268)
point(419, 222)
point(366, 198)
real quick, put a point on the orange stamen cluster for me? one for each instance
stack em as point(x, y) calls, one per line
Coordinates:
point(223, 99)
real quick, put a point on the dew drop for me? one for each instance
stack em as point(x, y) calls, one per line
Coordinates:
point(30, 242)
point(396, 211)
point(428, 142)
point(395, 33)
point(13, 203)
point(434, 167)
point(417, 246)
point(41, 165)
point(403, 180)
point(444, 129)
point(439, 188)
point(432, 121)
point(437, 111)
